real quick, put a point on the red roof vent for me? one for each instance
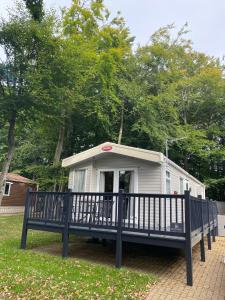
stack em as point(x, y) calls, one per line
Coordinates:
point(106, 148)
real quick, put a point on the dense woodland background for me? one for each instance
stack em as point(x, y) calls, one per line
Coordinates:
point(70, 82)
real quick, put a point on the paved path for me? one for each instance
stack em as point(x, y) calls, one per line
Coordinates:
point(11, 210)
point(168, 264)
point(209, 278)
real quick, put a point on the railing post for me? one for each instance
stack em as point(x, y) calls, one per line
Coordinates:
point(188, 239)
point(214, 229)
point(202, 243)
point(216, 218)
point(25, 217)
point(119, 230)
point(67, 214)
point(209, 229)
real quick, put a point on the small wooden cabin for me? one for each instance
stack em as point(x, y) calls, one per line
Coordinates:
point(15, 189)
point(110, 167)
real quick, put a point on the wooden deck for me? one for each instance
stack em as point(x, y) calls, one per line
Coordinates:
point(176, 221)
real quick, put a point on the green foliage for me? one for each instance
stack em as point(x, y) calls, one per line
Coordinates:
point(35, 8)
point(81, 79)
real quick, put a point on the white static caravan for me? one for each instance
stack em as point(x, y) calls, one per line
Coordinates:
point(110, 167)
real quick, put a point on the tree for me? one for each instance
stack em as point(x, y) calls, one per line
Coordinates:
point(18, 102)
point(35, 8)
point(76, 82)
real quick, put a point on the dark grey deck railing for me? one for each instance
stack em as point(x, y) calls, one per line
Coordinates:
point(168, 220)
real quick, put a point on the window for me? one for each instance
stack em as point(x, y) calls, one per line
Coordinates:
point(181, 185)
point(106, 181)
point(7, 189)
point(126, 183)
point(168, 184)
point(79, 181)
point(187, 185)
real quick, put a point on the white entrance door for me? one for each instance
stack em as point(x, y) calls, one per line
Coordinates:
point(111, 181)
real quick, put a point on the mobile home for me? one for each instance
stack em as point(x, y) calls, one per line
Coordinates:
point(126, 194)
point(110, 167)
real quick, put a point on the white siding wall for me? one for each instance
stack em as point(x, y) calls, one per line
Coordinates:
point(149, 174)
point(151, 179)
point(221, 225)
point(196, 188)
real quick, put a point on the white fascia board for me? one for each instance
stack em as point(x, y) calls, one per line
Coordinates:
point(82, 156)
point(116, 149)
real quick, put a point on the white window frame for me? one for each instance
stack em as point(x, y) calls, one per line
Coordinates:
point(187, 184)
point(116, 178)
point(9, 191)
point(116, 182)
point(169, 179)
point(85, 178)
point(183, 189)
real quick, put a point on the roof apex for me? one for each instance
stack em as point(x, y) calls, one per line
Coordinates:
point(116, 149)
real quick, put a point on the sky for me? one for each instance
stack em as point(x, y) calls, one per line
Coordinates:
point(206, 19)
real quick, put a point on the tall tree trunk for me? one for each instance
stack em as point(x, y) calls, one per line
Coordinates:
point(58, 150)
point(59, 147)
point(9, 156)
point(186, 165)
point(121, 125)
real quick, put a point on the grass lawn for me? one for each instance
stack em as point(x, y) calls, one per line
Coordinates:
point(33, 275)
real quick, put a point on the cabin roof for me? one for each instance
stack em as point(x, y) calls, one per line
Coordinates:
point(18, 178)
point(138, 153)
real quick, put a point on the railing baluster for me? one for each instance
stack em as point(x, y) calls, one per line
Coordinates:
point(139, 212)
point(45, 207)
point(103, 213)
point(75, 208)
point(116, 210)
point(107, 210)
point(129, 208)
point(159, 213)
point(91, 208)
point(143, 212)
point(182, 213)
point(83, 208)
point(176, 209)
point(209, 227)
point(154, 216)
point(164, 213)
point(94, 210)
point(99, 204)
point(79, 207)
point(134, 210)
point(149, 211)
point(170, 212)
point(86, 209)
